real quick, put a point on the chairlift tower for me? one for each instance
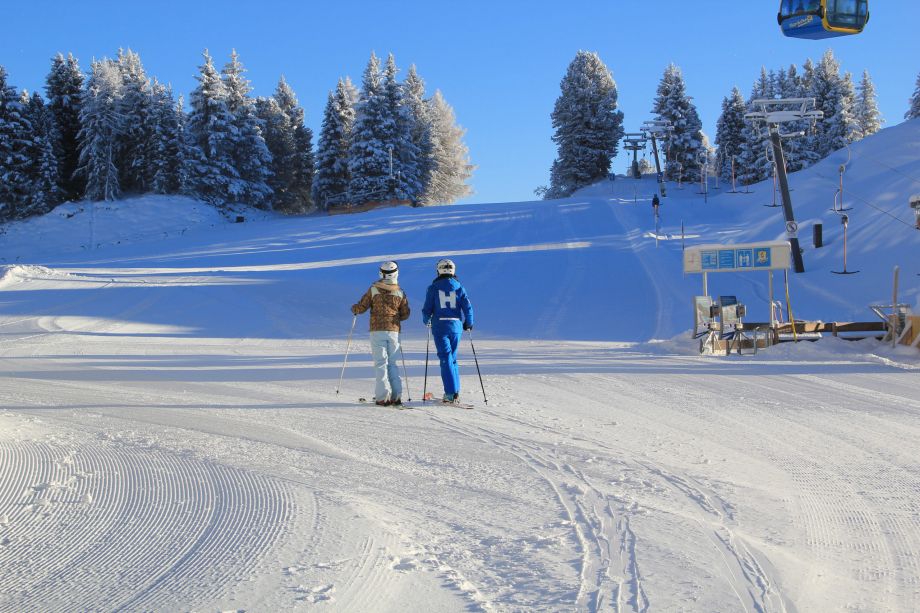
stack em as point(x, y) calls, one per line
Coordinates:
point(655, 129)
point(773, 113)
point(635, 142)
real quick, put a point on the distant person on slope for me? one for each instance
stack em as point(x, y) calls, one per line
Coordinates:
point(389, 306)
point(447, 312)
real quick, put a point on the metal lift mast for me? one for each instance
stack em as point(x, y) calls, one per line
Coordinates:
point(773, 113)
point(655, 129)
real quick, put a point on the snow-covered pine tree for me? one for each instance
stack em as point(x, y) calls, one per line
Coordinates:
point(279, 138)
point(101, 127)
point(186, 149)
point(134, 142)
point(836, 97)
point(794, 149)
point(166, 151)
point(868, 116)
point(848, 95)
point(370, 148)
point(330, 184)
point(588, 126)
point(685, 144)
point(729, 132)
point(299, 197)
point(15, 141)
point(420, 130)
point(913, 110)
point(809, 152)
point(210, 165)
point(44, 189)
point(407, 183)
point(64, 92)
point(249, 153)
point(450, 156)
point(755, 159)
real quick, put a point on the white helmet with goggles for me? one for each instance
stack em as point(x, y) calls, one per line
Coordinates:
point(389, 271)
point(446, 267)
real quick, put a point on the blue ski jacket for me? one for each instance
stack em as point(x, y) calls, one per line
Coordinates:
point(446, 305)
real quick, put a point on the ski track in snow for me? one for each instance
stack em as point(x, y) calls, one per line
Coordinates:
point(611, 578)
point(133, 527)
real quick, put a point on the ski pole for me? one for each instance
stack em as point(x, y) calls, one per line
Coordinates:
point(425, 385)
point(347, 347)
point(478, 372)
point(405, 374)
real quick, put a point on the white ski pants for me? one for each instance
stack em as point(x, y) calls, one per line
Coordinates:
point(385, 347)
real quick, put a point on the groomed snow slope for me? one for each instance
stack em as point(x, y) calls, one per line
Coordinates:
point(171, 439)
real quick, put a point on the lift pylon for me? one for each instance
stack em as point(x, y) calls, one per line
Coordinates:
point(656, 129)
point(635, 142)
point(773, 113)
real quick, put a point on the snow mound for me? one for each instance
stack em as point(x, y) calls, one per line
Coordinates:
point(17, 273)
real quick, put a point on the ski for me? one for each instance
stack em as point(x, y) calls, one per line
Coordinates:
point(429, 399)
point(400, 407)
point(456, 405)
point(428, 402)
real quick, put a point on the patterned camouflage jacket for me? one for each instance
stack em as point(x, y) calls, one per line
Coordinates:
point(388, 305)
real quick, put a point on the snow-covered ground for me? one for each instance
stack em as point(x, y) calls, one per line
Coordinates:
point(171, 437)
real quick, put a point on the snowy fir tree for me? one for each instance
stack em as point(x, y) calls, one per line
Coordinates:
point(185, 147)
point(210, 127)
point(795, 149)
point(587, 125)
point(868, 117)
point(406, 181)
point(101, 127)
point(330, 183)
point(64, 93)
point(44, 188)
point(451, 168)
point(729, 132)
point(248, 151)
point(15, 142)
point(755, 160)
point(809, 151)
point(685, 145)
point(135, 111)
point(370, 149)
point(835, 96)
point(420, 125)
point(913, 110)
point(297, 197)
point(279, 138)
point(166, 154)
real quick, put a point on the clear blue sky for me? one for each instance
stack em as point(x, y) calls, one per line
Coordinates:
point(498, 63)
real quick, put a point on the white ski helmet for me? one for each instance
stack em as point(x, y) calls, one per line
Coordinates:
point(389, 271)
point(446, 267)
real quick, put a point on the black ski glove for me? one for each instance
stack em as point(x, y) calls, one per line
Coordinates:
point(467, 326)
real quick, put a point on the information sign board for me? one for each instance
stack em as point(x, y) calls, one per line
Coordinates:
point(767, 255)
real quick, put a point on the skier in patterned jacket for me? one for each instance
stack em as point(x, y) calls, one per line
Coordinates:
point(389, 306)
point(447, 312)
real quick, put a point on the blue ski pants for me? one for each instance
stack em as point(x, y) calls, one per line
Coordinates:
point(446, 343)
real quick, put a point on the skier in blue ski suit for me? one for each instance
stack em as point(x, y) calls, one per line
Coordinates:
point(448, 312)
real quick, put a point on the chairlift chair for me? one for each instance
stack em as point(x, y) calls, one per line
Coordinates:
point(816, 19)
